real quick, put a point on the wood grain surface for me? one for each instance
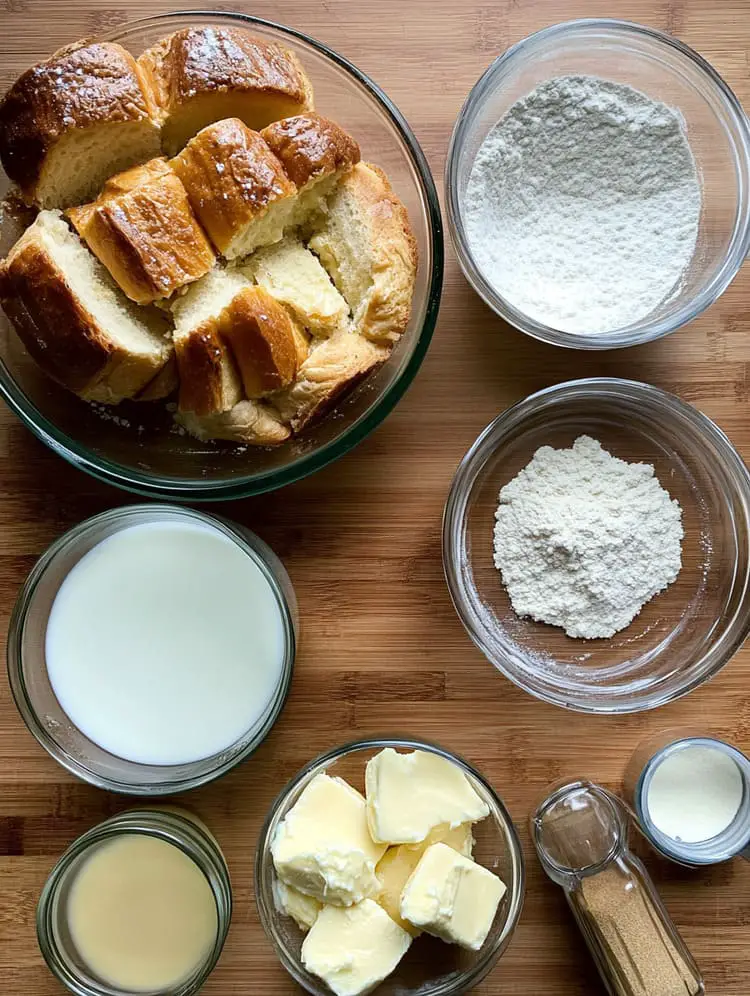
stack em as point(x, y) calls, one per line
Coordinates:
point(382, 648)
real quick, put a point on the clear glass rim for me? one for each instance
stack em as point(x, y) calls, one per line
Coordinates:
point(166, 826)
point(504, 426)
point(19, 615)
point(485, 963)
point(198, 489)
point(646, 330)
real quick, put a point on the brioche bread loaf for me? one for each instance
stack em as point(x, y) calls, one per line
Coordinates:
point(315, 153)
point(70, 122)
point(72, 319)
point(146, 235)
point(366, 244)
point(237, 187)
point(293, 275)
point(333, 367)
point(200, 75)
point(209, 379)
point(248, 422)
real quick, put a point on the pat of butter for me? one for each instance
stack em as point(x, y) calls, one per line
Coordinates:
point(352, 950)
point(323, 847)
point(452, 897)
point(409, 794)
point(398, 862)
point(301, 908)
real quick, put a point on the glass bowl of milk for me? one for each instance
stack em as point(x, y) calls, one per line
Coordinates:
point(151, 648)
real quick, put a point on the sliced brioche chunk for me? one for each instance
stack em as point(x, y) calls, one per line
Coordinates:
point(237, 187)
point(200, 75)
point(248, 422)
point(294, 275)
point(334, 366)
point(72, 319)
point(366, 244)
point(209, 379)
point(145, 233)
point(260, 333)
point(163, 385)
point(70, 122)
point(315, 154)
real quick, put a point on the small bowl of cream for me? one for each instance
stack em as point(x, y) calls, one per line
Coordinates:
point(151, 648)
point(597, 184)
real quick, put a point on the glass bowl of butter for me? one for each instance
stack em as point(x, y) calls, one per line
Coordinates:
point(389, 864)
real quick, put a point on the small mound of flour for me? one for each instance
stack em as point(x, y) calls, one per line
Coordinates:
point(583, 540)
point(583, 204)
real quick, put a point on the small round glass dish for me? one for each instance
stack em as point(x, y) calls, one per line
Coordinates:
point(665, 69)
point(430, 967)
point(33, 691)
point(685, 634)
point(136, 446)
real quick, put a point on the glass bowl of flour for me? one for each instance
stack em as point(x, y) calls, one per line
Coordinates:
point(596, 544)
point(598, 185)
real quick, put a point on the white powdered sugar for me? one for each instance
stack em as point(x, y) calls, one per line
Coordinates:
point(583, 540)
point(583, 204)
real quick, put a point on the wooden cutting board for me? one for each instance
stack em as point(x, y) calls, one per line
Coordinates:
point(382, 648)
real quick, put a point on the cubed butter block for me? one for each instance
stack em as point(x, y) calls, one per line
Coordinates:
point(301, 908)
point(398, 862)
point(353, 949)
point(452, 897)
point(410, 794)
point(323, 848)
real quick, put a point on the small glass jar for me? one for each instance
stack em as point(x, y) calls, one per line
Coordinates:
point(580, 834)
point(173, 826)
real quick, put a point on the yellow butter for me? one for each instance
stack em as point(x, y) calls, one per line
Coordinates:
point(452, 897)
point(397, 864)
point(353, 949)
point(301, 908)
point(323, 847)
point(410, 794)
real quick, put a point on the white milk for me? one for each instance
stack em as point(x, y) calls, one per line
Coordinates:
point(694, 794)
point(165, 643)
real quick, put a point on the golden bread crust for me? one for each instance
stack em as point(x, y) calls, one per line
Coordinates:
point(194, 64)
point(262, 337)
point(79, 87)
point(333, 367)
point(147, 236)
point(231, 177)
point(164, 384)
point(209, 380)
point(249, 422)
point(310, 146)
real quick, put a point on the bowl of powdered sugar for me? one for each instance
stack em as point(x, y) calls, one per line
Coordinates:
point(596, 543)
point(597, 185)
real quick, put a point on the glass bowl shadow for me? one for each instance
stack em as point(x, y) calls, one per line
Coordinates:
point(137, 446)
point(666, 70)
point(430, 967)
point(35, 697)
point(685, 634)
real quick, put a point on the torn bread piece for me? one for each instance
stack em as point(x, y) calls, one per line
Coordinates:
point(143, 229)
point(295, 277)
point(68, 123)
point(366, 244)
point(333, 367)
point(200, 75)
point(209, 380)
point(315, 153)
point(237, 187)
point(163, 385)
point(73, 320)
point(248, 422)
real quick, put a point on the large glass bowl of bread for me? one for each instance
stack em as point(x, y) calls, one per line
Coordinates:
point(221, 254)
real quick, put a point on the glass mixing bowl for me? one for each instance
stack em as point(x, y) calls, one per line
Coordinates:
point(429, 968)
point(685, 634)
point(137, 446)
point(35, 697)
point(664, 69)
